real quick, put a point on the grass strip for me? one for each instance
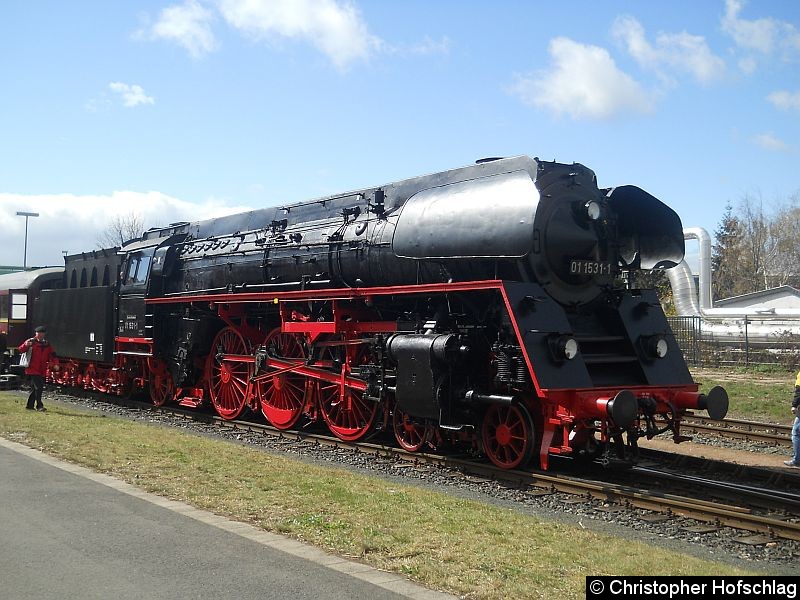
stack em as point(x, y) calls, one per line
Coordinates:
point(447, 543)
point(753, 396)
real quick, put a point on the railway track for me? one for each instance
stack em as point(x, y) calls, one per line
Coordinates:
point(769, 514)
point(9, 381)
point(755, 509)
point(769, 433)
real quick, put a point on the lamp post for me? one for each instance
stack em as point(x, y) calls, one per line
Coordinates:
point(25, 251)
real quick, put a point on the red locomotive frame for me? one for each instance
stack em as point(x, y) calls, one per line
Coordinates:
point(543, 421)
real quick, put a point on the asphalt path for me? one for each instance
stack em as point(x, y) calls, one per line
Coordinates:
point(66, 532)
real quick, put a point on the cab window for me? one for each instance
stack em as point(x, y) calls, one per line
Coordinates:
point(138, 268)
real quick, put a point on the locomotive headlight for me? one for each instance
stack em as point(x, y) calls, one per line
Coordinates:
point(570, 348)
point(592, 210)
point(657, 346)
point(564, 347)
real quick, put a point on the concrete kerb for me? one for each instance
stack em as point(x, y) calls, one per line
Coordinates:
point(390, 581)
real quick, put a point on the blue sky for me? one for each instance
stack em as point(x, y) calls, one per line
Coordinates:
point(180, 110)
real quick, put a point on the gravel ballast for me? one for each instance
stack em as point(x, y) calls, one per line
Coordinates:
point(778, 557)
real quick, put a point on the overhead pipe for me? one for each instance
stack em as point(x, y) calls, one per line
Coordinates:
point(761, 324)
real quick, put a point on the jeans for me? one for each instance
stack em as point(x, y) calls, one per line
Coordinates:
point(796, 440)
point(37, 386)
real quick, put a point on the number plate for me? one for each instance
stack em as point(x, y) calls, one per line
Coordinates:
point(589, 267)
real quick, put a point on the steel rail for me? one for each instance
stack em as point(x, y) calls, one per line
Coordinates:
point(740, 429)
point(624, 496)
point(737, 517)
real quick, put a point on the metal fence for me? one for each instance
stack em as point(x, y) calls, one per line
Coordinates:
point(702, 349)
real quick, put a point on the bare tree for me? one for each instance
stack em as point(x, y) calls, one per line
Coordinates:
point(783, 245)
point(756, 250)
point(121, 229)
point(756, 233)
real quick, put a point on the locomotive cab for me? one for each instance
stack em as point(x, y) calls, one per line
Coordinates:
point(147, 266)
point(133, 288)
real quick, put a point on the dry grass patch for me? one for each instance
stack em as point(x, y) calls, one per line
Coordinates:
point(448, 543)
point(753, 396)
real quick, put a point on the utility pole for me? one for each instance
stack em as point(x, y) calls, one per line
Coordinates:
point(25, 250)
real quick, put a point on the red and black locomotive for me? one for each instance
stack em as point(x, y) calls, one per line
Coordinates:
point(491, 305)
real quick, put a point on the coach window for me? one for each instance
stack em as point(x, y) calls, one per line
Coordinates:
point(19, 306)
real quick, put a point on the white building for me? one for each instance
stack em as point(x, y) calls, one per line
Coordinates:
point(784, 296)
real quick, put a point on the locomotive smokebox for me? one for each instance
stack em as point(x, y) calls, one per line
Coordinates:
point(584, 236)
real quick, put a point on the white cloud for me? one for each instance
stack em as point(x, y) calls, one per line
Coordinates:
point(429, 46)
point(337, 29)
point(583, 82)
point(748, 65)
point(189, 25)
point(74, 223)
point(785, 100)
point(132, 95)
point(764, 36)
point(770, 142)
point(759, 34)
point(679, 52)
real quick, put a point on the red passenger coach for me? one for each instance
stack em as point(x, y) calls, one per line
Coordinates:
point(491, 308)
point(18, 292)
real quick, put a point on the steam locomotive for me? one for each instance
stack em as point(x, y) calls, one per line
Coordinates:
point(492, 306)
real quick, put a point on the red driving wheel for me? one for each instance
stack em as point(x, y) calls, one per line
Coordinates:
point(409, 433)
point(508, 435)
point(282, 396)
point(162, 387)
point(348, 415)
point(228, 378)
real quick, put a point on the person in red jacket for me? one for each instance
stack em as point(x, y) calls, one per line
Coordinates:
point(41, 352)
